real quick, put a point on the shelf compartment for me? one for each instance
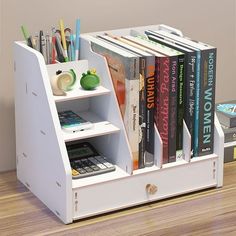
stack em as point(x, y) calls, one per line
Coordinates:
point(101, 127)
point(78, 92)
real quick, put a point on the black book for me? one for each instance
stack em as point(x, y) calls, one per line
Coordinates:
point(173, 108)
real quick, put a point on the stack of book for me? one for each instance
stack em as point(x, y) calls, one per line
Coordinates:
point(161, 80)
point(226, 113)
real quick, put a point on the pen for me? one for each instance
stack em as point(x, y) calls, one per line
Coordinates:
point(48, 48)
point(53, 49)
point(59, 48)
point(63, 39)
point(36, 41)
point(42, 44)
point(77, 35)
point(27, 37)
point(72, 46)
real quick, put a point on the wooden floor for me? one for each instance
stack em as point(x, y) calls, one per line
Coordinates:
point(211, 212)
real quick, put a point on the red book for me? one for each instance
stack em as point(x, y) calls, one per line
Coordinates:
point(163, 108)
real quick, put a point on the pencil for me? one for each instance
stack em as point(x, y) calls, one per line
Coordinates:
point(63, 39)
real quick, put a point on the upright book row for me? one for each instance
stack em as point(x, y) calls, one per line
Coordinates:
point(161, 79)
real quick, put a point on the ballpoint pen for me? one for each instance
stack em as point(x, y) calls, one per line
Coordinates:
point(48, 49)
point(72, 46)
point(42, 44)
point(77, 35)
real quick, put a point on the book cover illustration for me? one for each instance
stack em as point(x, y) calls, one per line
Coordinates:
point(228, 109)
point(226, 113)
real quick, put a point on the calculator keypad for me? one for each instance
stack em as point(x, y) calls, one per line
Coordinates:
point(90, 166)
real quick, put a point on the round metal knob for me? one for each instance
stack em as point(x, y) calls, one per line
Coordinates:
point(151, 188)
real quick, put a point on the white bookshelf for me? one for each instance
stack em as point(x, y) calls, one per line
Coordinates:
point(42, 160)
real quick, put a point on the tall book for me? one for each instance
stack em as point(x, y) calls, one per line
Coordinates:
point(166, 115)
point(124, 70)
point(146, 99)
point(186, 86)
point(205, 92)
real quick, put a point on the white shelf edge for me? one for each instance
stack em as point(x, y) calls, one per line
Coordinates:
point(110, 176)
point(146, 170)
point(100, 128)
point(202, 158)
point(79, 93)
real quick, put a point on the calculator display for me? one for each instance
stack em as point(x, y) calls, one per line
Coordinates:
point(80, 152)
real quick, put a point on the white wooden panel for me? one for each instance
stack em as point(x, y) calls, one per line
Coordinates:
point(186, 143)
point(219, 150)
point(131, 190)
point(43, 164)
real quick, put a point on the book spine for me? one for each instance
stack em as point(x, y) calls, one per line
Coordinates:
point(172, 108)
point(163, 113)
point(142, 113)
point(157, 91)
point(180, 104)
point(189, 109)
point(132, 109)
point(150, 106)
point(207, 102)
point(232, 122)
point(197, 101)
point(230, 153)
point(230, 135)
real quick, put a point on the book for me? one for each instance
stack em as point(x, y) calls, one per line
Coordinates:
point(226, 113)
point(186, 86)
point(152, 111)
point(229, 133)
point(124, 71)
point(146, 122)
point(205, 92)
point(230, 152)
point(174, 57)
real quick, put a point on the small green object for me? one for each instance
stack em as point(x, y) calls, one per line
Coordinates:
point(89, 80)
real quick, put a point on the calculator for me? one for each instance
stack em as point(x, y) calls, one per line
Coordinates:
point(85, 161)
point(72, 122)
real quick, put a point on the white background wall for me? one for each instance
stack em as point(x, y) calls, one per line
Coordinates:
point(207, 20)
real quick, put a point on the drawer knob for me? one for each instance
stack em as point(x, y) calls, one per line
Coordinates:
point(151, 188)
